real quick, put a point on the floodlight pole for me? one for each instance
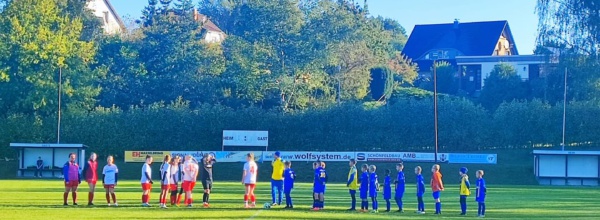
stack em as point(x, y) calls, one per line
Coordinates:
point(435, 110)
point(59, 104)
point(564, 125)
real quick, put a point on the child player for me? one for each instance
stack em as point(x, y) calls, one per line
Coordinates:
point(387, 190)
point(352, 183)
point(72, 178)
point(364, 188)
point(420, 190)
point(207, 177)
point(480, 194)
point(288, 184)
point(400, 187)
point(320, 177)
point(324, 185)
point(174, 179)
point(437, 187)
point(464, 190)
point(165, 176)
point(146, 181)
point(109, 180)
point(249, 180)
point(373, 187)
point(190, 174)
point(90, 172)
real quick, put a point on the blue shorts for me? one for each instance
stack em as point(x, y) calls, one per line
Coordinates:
point(480, 199)
point(436, 195)
point(373, 193)
point(363, 194)
point(399, 194)
point(276, 184)
point(319, 189)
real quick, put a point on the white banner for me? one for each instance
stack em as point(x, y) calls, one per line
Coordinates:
point(310, 156)
point(245, 138)
point(400, 157)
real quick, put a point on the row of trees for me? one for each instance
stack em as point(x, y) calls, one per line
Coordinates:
point(406, 125)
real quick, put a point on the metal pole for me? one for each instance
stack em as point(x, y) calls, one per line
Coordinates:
point(435, 111)
point(564, 125)
point(59, 104)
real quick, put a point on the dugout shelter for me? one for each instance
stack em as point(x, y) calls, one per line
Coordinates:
point(571, 168)
point(53, 155)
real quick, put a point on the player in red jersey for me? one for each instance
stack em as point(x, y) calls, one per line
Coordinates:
point(90, 172)
point(72, 178)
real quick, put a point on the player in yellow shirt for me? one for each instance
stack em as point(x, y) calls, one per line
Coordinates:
point(464, 190)
point(277, 178)
point(352, 183)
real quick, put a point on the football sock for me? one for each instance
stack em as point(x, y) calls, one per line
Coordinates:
point(253, 198)
point(483, 208)
point(388, 204)
point(246, 198)
point(205, 198)
point(438, 207)
point(375, 205)
point(178, 199)
point(463, 204)
point(315, 203)
point(353, 204)
point(399, 203)
point(421, 204)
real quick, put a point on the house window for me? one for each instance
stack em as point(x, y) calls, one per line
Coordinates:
point(106, 17)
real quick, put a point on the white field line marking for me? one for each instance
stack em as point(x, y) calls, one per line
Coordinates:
point(255, 214)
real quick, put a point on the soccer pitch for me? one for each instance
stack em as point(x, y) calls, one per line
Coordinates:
point(42, 199)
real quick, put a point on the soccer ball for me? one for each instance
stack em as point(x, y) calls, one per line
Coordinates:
point(267, 205)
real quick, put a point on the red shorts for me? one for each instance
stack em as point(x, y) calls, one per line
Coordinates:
point(188, 185)
point(109, 186)
point(251, 185)
point(146, 186)
point(173, 187)
point(72, 183)
point(91, 181)
point(164, 187)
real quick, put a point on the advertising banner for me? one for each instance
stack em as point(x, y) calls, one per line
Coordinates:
point(310, 156)
point(140, 156)
point(474, 158)
point(400, 157)
point(245, 138)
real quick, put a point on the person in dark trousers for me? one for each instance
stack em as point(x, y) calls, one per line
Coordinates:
point(39, 167)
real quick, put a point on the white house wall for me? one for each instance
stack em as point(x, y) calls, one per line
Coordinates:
point(522, 69)
point(109, 21)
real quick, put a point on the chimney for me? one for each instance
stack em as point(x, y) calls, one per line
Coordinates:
point(456, 24)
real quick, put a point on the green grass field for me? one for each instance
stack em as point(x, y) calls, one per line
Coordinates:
point(42, 199)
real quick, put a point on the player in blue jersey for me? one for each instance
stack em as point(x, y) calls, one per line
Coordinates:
point(364, 188)
point(399, 187)
point(320, 178)
point(288, 184)
point(373, 187)
point(420, 190)
point(387, 190)
point(480, 194)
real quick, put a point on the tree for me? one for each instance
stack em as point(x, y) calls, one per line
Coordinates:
point(569, 24)
point(37, 41)
point(382, 83)
point(502, 85)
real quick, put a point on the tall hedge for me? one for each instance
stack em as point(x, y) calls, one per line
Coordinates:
point(406, 125)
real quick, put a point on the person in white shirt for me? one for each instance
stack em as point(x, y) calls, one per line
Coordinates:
point(165, 180)
point(249, 180)
point(146, 181)
point(174, 178)
point(109, 180)
point(190, 174)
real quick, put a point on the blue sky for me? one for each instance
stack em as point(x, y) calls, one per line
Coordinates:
point(519, 14)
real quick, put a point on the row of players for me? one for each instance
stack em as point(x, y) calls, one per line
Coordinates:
point(171, 168)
